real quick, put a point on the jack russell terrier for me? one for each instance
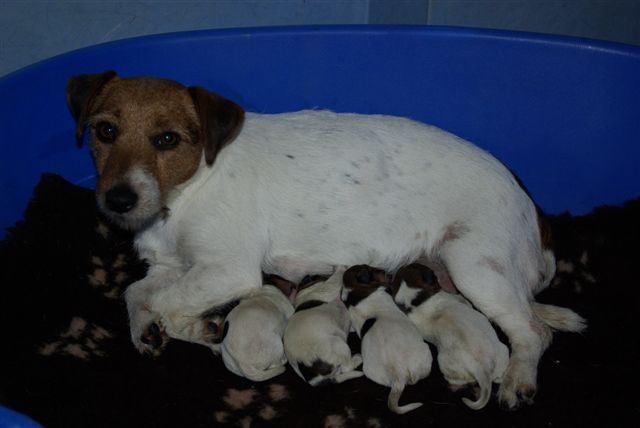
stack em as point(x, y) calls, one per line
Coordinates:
point(252, 334)
point(215, 195)
point(393, 351)
point(469, 350)
point(315, 339)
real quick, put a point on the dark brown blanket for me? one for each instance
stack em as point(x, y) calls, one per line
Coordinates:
point(67, 360)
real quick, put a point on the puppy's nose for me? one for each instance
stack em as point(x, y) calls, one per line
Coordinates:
point(121, 199)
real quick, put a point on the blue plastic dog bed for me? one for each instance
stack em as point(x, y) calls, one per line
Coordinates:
point(562, 113)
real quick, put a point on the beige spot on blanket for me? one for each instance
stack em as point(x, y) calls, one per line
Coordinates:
point(120, 278)
point(97, 261)
point(49, 348)
point(120, 262)
point(99, 333)
point(351, 414)
point(221, 416)
point(76, 328)
point(374, 423)
point(98, 278)
point(335, 421)
point(114, 293)
point(237, 399)
point(245, 422)
point(267, 413)
point(278, 392)
point(563, 266)
point(102, 230)
point(76, 350)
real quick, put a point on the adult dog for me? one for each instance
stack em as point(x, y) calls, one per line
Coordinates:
point(215, 195)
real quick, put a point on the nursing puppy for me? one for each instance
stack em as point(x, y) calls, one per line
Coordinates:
point(315, 339)
point(469, 350)
point(252, 334)
point(215, 195)
point(393, 351)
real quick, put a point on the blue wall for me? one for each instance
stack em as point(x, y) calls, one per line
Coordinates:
point(32, 30)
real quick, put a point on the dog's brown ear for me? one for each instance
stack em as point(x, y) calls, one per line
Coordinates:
point(220, 120)
point(81, 91)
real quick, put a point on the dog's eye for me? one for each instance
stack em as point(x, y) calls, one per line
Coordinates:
point(166, 141)
point(106, 132)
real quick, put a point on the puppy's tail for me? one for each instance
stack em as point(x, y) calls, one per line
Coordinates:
point(484, 382)
point(558, 318)
point(394, 397)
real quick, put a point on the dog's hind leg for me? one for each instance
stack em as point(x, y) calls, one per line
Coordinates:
point(490, 283)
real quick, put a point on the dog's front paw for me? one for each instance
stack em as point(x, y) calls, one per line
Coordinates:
point(148, 333)
point(153, 339)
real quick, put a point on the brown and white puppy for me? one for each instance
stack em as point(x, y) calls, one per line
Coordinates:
point(216, 195)
point(469, 350)
point(393, 351)
point(252, 334)
point(315, 339)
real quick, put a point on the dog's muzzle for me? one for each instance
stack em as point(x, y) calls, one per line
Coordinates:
point(121, 199)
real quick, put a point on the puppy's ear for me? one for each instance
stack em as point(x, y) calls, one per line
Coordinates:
point(81, 92)
point(220, 120)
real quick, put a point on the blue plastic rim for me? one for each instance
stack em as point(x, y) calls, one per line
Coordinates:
point(562, 113)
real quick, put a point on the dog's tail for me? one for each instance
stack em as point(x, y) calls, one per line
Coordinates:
point(484, 382)
point(394, 397)
point(558, 318)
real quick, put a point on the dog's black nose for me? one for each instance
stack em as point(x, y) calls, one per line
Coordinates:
point(121, 199)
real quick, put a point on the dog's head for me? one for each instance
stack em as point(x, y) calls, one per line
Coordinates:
point(414, 284)
point(147, 136)
point(361, 281)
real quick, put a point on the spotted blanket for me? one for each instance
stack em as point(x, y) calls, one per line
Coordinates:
point(67, 360)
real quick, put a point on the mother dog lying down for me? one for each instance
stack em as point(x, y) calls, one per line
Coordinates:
point(216, 195)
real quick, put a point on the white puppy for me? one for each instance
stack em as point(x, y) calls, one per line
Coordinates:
point(469, 350)
point(393, 351)
point(252, 336)
point(315, 340)
point(215, 195)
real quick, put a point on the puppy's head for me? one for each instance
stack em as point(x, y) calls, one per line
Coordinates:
point(361, 281)
point(414, 284)
point(147, 136)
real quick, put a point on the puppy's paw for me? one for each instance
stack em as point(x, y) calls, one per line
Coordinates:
point(356, 361)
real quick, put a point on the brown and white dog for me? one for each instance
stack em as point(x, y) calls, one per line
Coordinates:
point(315, 339)
point(469, 350)
point(215, 195)
point(393, 352)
